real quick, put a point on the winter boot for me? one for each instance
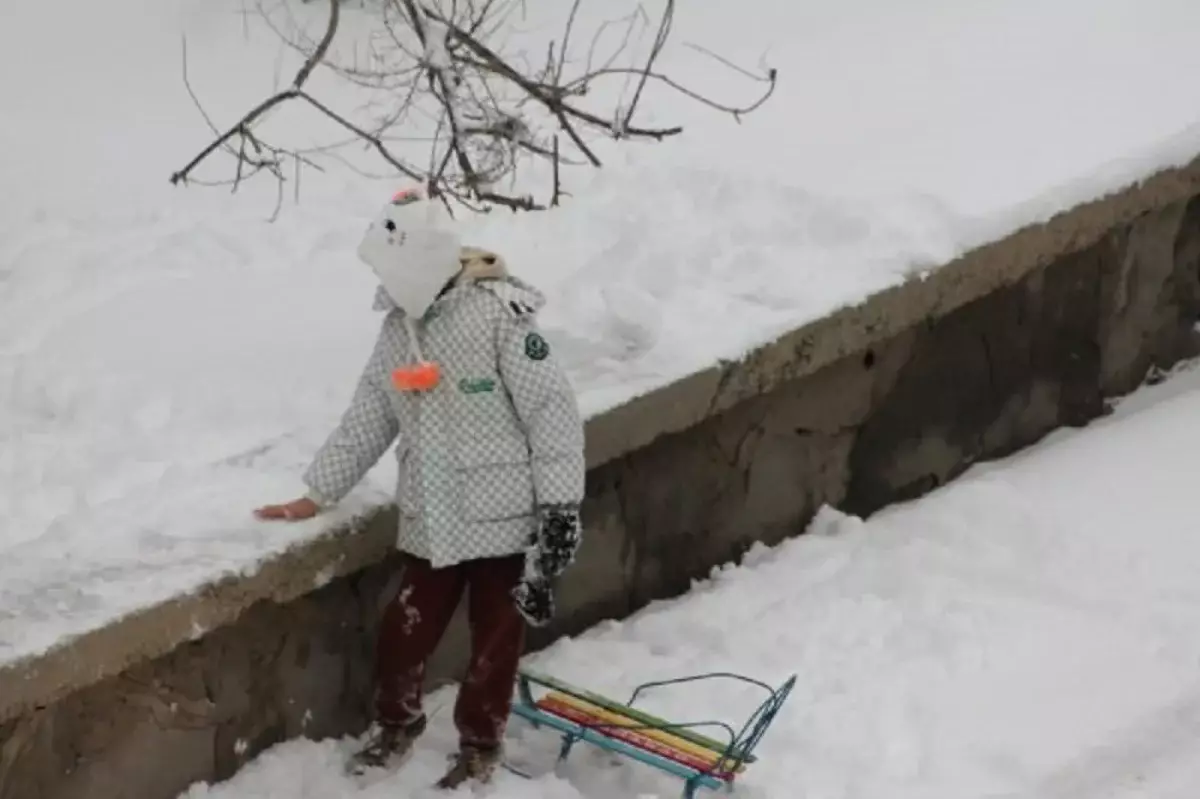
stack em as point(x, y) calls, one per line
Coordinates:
point(472, 763)
point(387, 744)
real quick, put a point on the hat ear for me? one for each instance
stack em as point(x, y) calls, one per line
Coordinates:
point(406, 197)
point(434, 216)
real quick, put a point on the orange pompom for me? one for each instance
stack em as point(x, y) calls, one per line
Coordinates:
point(421, 377)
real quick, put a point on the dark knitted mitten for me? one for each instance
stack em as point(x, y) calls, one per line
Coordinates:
point(552, 547)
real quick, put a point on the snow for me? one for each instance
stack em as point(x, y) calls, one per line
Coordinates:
point(1031, 630)
point(169, 360)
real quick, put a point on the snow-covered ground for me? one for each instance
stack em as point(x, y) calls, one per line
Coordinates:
point(168, 360)
point(1031, 631)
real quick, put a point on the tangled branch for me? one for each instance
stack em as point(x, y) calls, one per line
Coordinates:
point(440, 75)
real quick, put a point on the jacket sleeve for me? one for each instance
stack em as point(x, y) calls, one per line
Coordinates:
point(546, 405)
point(367, 428)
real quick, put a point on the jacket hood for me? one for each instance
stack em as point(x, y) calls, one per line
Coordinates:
point(485, 269)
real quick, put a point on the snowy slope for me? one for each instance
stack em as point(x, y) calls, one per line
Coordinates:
point(168, 359)
point(1032, 631)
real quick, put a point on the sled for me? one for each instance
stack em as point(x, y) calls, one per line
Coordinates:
point(677, 748)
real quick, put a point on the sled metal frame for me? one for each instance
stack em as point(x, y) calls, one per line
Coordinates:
point(616, 727)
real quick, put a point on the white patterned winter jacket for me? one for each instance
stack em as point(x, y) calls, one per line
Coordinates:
point(497, 437)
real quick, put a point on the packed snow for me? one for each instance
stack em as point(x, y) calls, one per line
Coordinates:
point(169, 359)
point(1031, 630)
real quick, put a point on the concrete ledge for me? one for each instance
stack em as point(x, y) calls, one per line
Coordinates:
point(880, 317)
point(153, 631)
point(818, 351)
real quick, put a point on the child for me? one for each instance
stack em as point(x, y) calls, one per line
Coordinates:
point(491, 473)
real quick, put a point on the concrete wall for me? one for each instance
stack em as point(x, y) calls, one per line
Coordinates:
point(877, 403)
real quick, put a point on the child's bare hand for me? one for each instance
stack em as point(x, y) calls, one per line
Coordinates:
point(303, 508)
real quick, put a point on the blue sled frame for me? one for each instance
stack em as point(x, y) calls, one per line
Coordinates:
point(738, 750)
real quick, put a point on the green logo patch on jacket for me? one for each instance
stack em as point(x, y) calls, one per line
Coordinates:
point(477, 385)
point(536, 347)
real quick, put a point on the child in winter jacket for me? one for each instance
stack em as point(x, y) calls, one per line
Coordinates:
point(491, 472)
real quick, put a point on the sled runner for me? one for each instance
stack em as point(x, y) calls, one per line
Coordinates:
point(676, 748)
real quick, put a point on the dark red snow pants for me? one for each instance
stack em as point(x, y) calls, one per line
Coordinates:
point(413, 623)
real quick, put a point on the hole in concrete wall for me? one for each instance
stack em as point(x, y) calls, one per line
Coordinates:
point(869, 359)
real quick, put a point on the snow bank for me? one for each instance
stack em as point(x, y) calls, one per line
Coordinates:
point(1030, 630)
point(168, 360)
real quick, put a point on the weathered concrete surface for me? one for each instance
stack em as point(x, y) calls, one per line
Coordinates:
point(197, 713)
point(900, 417)
point(872, 405)
point(157, 630)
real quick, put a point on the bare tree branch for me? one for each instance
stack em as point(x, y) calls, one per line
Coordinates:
point(438, 71)
point(242, 127)
point(660, 40)
point(322, 48)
